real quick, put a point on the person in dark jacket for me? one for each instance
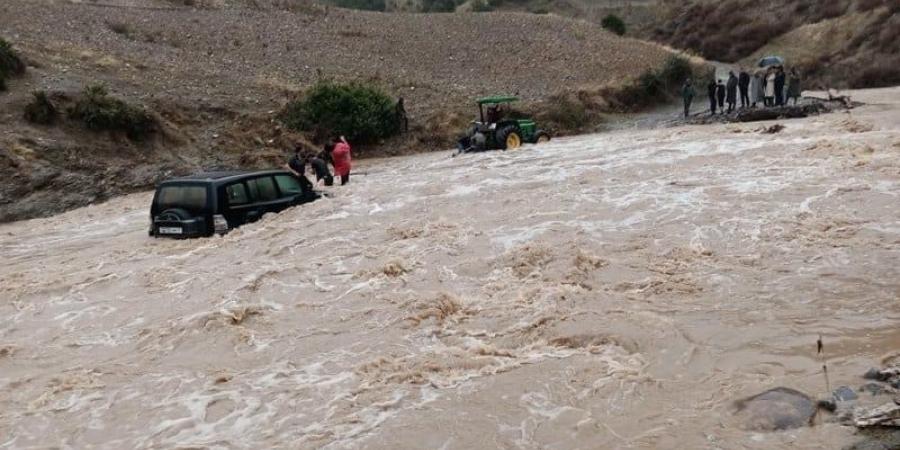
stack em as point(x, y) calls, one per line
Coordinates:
point(297, 166)
point(720, 95)
point(794, 89)
point(744, 87)
point(711, 92)
point(731, 98)
point(325, 157)
point(687, 93)
point(320, 167)
point(402, 119)
point(779, 87)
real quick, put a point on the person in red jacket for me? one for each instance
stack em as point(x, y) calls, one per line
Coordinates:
point(341, 159)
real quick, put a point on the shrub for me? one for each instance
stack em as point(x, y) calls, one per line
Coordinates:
point(675, 71)
point(654, 86)
point(121, 28)
point(10, 63)
point(481, 6)
point(567, 113)
point(98, 111)
point(41, 110)
point(439, 5)
point(614, 24)
point(366, 5)
point(361, 112)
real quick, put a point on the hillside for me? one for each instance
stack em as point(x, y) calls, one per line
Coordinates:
point(835, 43)
point(215, 77)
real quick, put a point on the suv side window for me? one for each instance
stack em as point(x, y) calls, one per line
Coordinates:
point(262, 189)
point(237, 194)
point(288, 185)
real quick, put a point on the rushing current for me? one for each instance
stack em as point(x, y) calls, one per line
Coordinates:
point(604, 291)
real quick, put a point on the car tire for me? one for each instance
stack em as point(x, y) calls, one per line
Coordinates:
point(509, 138)
point(174, 214)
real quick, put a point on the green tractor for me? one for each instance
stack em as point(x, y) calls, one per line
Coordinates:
point(493, 131)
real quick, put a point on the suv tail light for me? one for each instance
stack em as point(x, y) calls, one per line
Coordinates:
point(220, 225)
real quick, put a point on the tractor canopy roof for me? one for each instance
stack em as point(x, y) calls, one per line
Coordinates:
point(497, 99)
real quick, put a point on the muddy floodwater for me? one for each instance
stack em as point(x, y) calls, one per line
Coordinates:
point(606, 291)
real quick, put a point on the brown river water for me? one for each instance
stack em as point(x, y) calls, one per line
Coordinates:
point(598, 292)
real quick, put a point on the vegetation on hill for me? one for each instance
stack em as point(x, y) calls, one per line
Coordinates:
point(361, 112)
point(98, 111)
point(614, 24)
point(40, 110)
point(10, 63)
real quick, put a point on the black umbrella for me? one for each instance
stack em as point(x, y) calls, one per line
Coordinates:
point(771, 61)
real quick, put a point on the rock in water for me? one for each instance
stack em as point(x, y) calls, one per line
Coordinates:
point(780, 408)
point(844, 394)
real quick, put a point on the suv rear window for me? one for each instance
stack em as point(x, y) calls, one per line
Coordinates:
point(288, 185)
point(187, 197)
point(262, 189)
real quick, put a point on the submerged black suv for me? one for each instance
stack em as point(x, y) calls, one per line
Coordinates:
point(215, 202)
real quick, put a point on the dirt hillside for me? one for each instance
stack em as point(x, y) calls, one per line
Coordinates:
point(216, 76)
point(835, 43)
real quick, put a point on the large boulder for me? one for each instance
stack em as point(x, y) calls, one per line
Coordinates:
point(780, 408)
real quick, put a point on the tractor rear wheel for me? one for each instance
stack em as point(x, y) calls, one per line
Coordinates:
point(509, 138)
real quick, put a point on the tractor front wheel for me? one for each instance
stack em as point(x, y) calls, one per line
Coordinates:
point(509, 138)
point(541, 137)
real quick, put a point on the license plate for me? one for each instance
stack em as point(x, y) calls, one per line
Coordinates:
point(170, 230)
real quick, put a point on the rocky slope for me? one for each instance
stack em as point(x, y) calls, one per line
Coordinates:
point(215, 76)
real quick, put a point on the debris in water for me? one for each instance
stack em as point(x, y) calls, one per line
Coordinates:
point(887, 415)
point(777, 128)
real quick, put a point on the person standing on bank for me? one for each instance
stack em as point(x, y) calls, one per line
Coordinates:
point(793, 89)
point(341, 159)
point(770, 88)
point(779, 87)
point(687, 93)
point(711, 92)
point(744, 87)
point(732, 91)
point(757, 91)
point(402, 120)
point(720, 96)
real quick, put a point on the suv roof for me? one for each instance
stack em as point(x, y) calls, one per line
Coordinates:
point(223, 176)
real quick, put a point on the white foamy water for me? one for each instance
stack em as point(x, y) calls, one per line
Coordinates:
point(606, 291)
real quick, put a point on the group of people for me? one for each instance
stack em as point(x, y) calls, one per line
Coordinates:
point(770, 87)
point(336, 153)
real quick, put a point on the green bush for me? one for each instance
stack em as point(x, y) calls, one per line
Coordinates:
point(567, 113)
point(614, 24)
point(10, 63)
point(366, 5)
point(361, 112)
point(434, 6)
point(675, 71)
point(481, 6)
point(654, 86)
point(98, 111)
point(41, 110)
